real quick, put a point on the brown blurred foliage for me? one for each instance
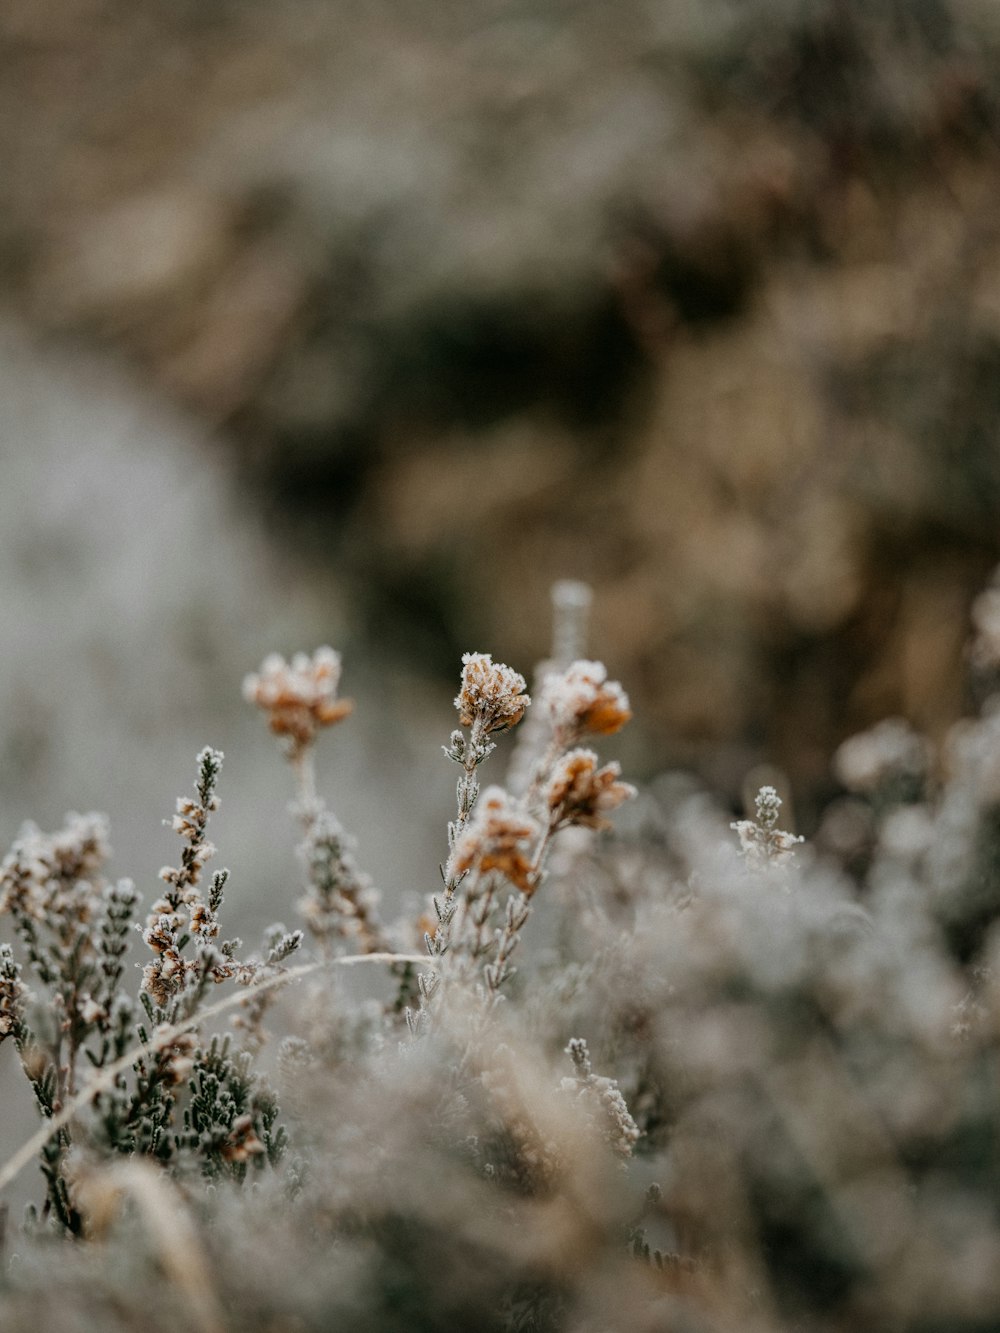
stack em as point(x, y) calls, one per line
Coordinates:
point(698, 302)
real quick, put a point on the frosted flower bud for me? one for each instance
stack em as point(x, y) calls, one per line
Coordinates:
point(492, 694)
point(578, 792)
point(299, 697)
point(762, 843)
point(767, 804)
point(497, 837)
point(581, 700)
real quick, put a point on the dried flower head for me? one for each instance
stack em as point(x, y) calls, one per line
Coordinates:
point(582, 700)
point(578, 792)
point(498, 837)
point(299, 697)
point(492, 695)
point(166, 976)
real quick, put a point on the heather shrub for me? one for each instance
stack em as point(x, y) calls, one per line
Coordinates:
point(687, 1072)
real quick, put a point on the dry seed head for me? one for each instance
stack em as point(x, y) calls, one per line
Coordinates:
point(492, 694)
point(163, 978)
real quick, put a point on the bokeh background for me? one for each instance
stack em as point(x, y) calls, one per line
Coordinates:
point(363, 322)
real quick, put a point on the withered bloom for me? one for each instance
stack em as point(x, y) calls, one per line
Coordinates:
point(492, 694)
point(581, 701)
point(579, 792)
point(498, 837)
point(299, 697)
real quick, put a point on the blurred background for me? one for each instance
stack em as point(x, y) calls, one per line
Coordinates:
point(361, 323)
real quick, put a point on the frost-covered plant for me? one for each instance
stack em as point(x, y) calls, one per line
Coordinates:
point(498, 840)
point(762, 843)
point(180, 1103)
point(779, 1113)
point(300, 699)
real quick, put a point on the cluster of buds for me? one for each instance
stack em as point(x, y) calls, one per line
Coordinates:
point(11, 993)
point(498, 837)
point(492, 696)
point(167, 974)
point(191, 822)
point(578, 792)
point(299, 697)
point(341, 901)
point(602, 1100)
point(183, 913)
point(491, 699)
point(56, 877)
point(761, 841)
point(170, 973)
point(582, 701)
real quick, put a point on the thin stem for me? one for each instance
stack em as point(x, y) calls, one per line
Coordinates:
point(543, 846)
point(468, 790)
point(305, 778)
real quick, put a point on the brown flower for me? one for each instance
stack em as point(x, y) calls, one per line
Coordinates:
point(498, 837)
point(579, 792)
point(204, 922)
point(492, 694)
point(582, 700)
point(299, 697)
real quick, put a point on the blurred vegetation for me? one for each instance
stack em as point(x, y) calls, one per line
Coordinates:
point(698, 302)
